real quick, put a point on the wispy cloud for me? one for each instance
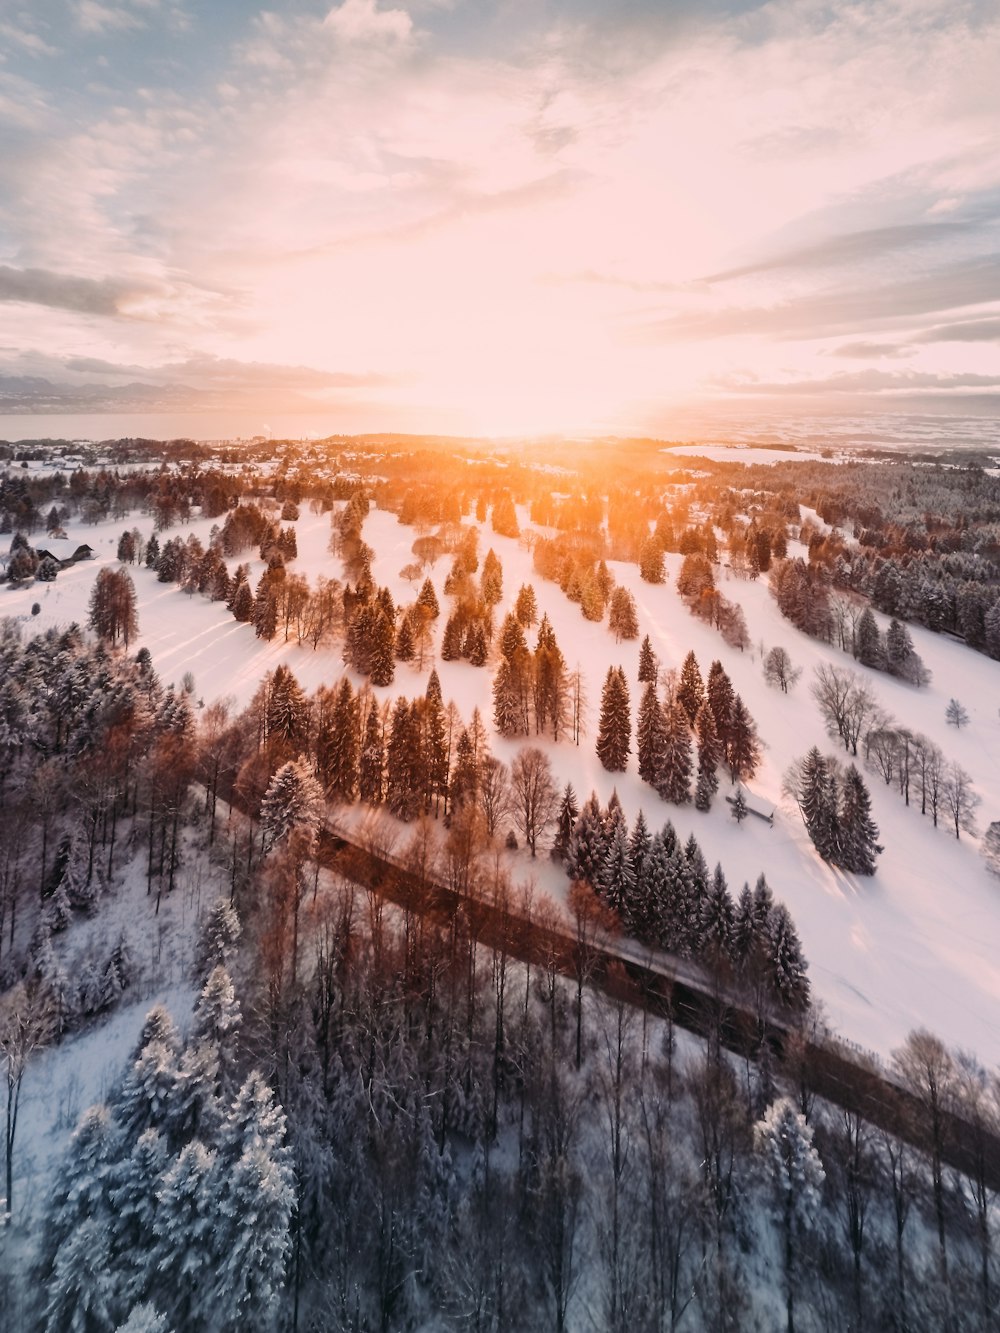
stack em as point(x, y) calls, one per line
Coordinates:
point(93, 17)
point(962, 331)
point(61, 291)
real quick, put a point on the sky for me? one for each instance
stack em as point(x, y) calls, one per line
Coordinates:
point(521, 216)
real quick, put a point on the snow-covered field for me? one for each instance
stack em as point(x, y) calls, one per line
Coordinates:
point(914, 945)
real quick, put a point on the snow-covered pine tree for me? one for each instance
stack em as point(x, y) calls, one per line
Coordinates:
point(901, 658)
point(739, 806)
point(858, 844)
point(526, 605)
point(868, 640)
point(451, 640)
point(743, 746)
point(134, 1203)
point(341, 752)
point(788, 966)
point(794, 1173)
point(507, 716)
point(371, 765)
point(381, 664)
point(743, 931)
point(254, 1197)
point(817, 799)
point(614, 732)
point(293, 801)
point(639, 842)
point(404, 761)
point(144, 1318)
point(650, 736)
point(690, 688)
point(720, 696)
point(427, 598)
point(709, 757)
point(618, 876)
point(673, 781)
point(217, 938)
point(588, 846)
point(183, 1255)
point(565, 821)
point(648, 665)
point(716, 923)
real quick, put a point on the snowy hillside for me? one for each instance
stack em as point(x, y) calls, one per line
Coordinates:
point(910, 946)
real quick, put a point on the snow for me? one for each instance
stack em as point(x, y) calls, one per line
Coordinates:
point(64, 1080)
point(911, 946)
point(749, 454)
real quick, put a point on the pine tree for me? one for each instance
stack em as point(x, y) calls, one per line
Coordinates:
point(511, 637)
point(565, 821)
point(743, 747)
point(614, 733)
point(588, 845)
point(788, 967)
point(254, 1197)
point(622, 619)
point(451, 641)
point(435, 743)
point(403, 762)
point(650, 736)
point(901, 658)
point(183, 1252)
point(858, 833)
point(216, 940)
point(673, 781)
point(371, 765)
point(709, 756)
point(404, 641)
point(648, 665)
point(743, 931)
point(651, 566)
point(427, 598)
point(618, 875)
point(716, 923)
point(383, 639)
point(293, 801)
point(243, 604)
point(719, 691)
point(868, 640)
point(817, 799)
point(739, 806)
point(475, 647)
point(690, 688)
point(792, 1166)
point(526, 605)
point(134, 1203)
point(507, 715)
point(639, 842)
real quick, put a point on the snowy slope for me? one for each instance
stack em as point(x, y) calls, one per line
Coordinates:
point(913, 945)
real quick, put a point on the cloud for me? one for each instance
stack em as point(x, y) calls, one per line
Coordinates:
point(61, 291)
point(839, 310)
point(361, 22)
point(966, 331)
point(867, 351)
point(198, 383)
point(93, 17)
point(861, 382)
point(851, 248)
point(26, 39)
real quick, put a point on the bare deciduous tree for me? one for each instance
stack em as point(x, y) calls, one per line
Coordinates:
point(534, 797)
point(778, 669)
